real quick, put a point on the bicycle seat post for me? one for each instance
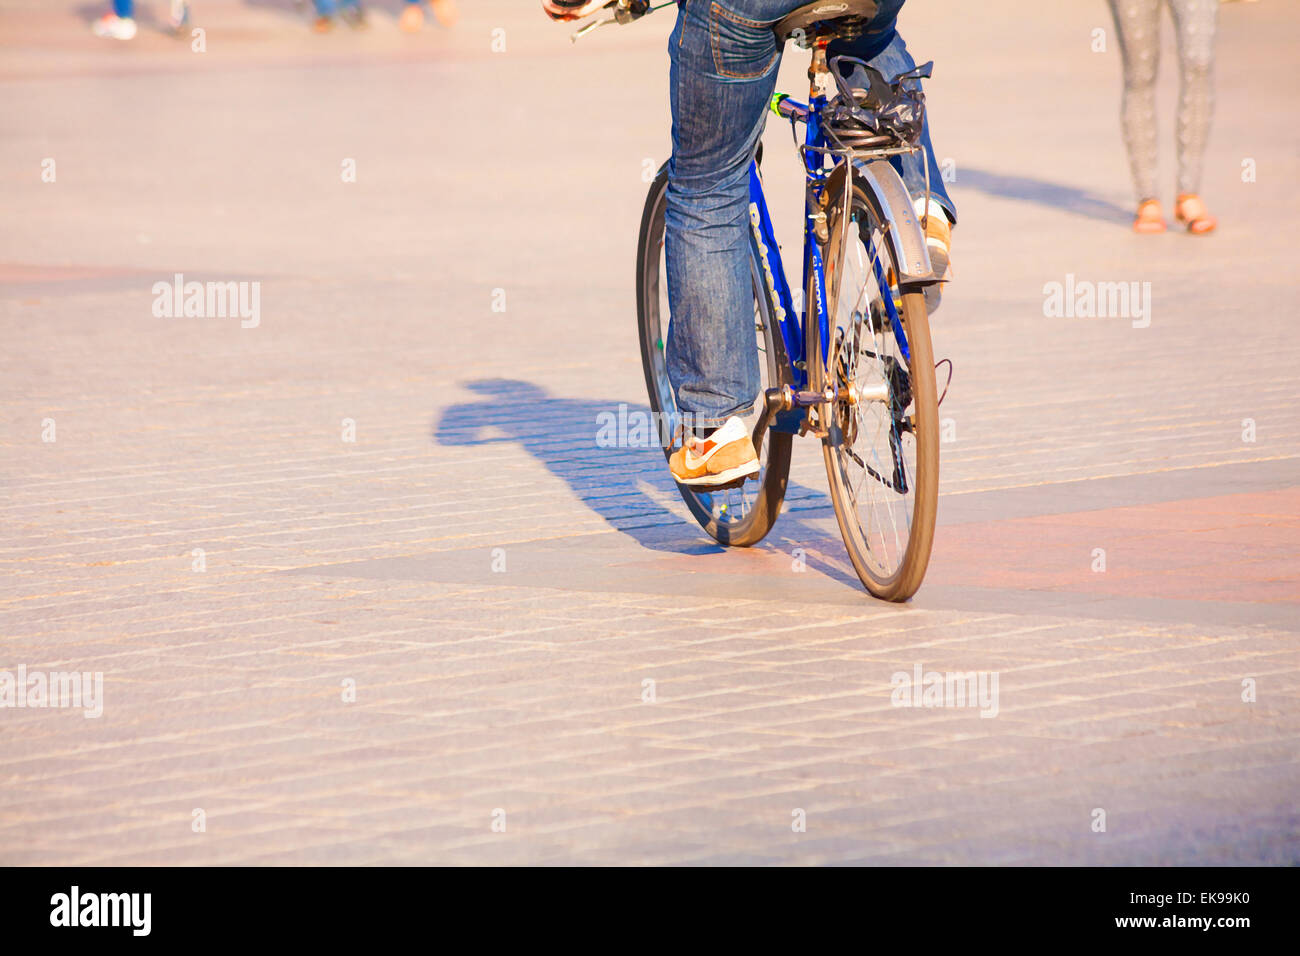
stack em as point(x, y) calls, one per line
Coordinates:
point(817, 68)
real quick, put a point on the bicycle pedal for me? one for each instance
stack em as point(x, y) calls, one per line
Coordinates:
point(731, 485)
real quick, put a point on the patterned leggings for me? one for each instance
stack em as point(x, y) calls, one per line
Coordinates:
point(1138, 24)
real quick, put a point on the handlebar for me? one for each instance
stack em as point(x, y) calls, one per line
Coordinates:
point(623, 11)
point(786, 108)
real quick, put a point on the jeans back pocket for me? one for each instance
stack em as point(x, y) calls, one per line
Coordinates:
point(742, 48)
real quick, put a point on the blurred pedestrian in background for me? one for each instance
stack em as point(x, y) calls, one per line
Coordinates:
point(120, 24)
point(1137, 23)
point(351, 10)
point(412, 18)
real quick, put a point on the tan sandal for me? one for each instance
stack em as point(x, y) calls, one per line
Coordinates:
point(1150, 218)
point(1192, 212)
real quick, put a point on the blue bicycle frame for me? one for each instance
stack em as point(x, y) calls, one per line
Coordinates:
point(818, 321)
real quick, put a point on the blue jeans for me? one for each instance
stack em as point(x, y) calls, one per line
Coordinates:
point(724, 59)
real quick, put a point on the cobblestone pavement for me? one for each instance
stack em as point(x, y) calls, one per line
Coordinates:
point(1119, 534)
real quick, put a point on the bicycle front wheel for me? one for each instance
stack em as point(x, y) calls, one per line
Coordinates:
point(882, 455)
point(738, 516)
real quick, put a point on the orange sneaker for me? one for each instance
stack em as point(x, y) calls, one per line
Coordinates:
point(725, 456)
point(1191, 211)
point(1150, 218)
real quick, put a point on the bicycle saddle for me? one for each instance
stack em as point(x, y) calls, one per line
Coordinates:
point(826, 19)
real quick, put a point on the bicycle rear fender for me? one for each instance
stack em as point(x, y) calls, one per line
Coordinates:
point(904, 232)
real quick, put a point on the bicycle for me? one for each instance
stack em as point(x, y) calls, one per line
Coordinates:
point(855, 367)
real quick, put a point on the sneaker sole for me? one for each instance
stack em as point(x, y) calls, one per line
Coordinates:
point(938, 257)
point(939, 263)
point(722, 477)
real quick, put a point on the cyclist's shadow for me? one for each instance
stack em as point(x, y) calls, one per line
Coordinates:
point(624, 480)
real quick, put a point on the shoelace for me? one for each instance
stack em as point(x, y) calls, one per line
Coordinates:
point(688, 440)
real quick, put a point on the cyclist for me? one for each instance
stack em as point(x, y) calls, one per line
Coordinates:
point(723, 64)
point(354, 15)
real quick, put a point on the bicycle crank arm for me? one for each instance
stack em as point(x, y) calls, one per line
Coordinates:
point(775, 401)
point(773, 405)
point(786, 398)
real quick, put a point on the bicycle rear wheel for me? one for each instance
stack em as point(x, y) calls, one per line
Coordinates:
point(882, 457)
point(738, 516)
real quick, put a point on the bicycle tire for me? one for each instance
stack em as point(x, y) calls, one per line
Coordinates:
point(903, 580)
point(716, 515)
